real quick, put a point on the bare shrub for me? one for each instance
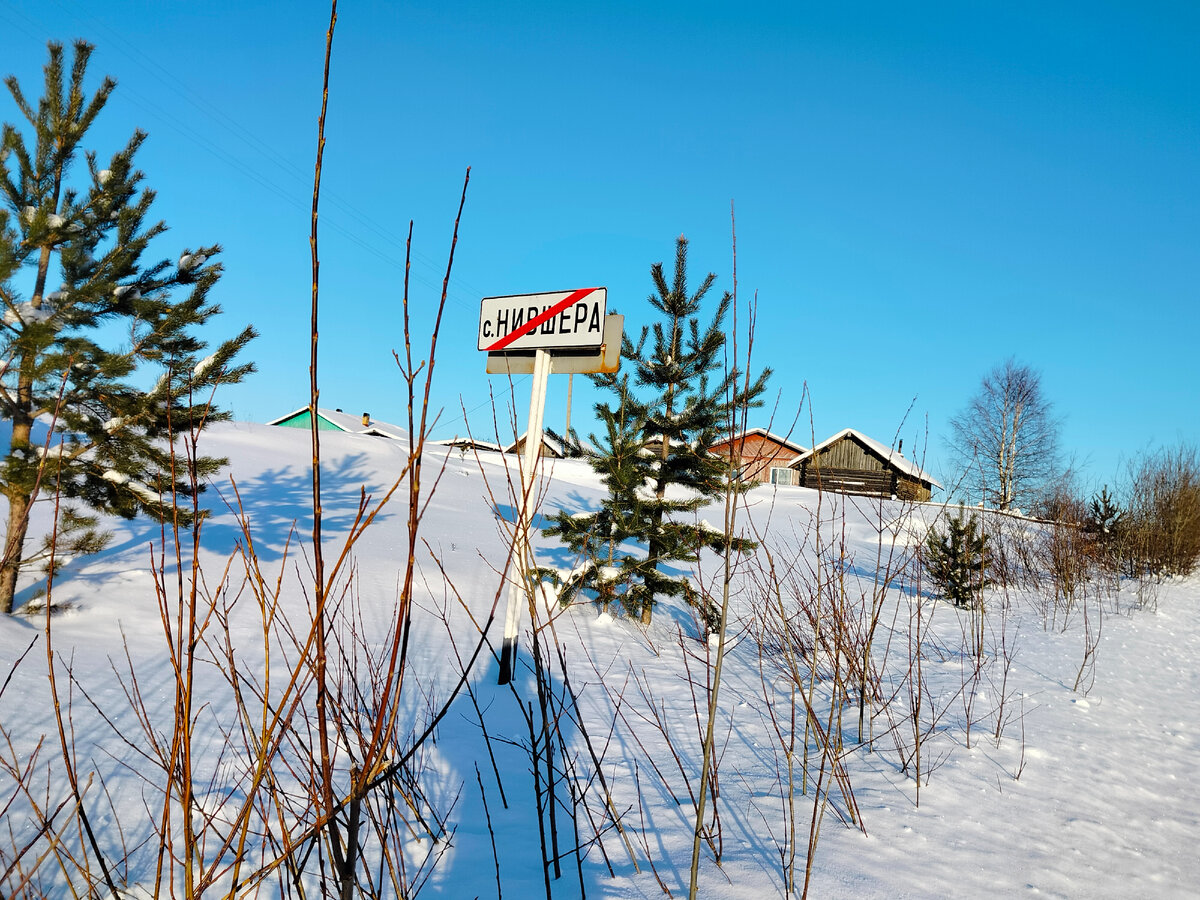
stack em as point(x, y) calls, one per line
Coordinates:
point(1004, 652)
point(1064, 552)
point(1011, 563)
point(1160, 533)
point(809, 634)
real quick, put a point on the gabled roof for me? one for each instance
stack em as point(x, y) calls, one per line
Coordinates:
point(385, 429)
point(762, 432)
point(467, 443)
point(551, 444)
point(349, 423)
point(883, 451)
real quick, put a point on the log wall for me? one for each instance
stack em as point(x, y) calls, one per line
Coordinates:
point(847, 467)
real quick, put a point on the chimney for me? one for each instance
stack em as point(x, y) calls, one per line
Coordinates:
point(366, 418)
point(900, 448)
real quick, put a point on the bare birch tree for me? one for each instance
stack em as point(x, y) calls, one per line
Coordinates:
point(1006, 439)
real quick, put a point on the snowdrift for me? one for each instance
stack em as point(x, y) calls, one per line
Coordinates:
point(870, 740)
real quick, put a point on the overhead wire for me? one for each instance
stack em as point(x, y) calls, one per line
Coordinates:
point(256, 149)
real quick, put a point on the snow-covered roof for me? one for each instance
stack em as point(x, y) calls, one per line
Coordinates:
point(468, 443)
point(551, 444)
point(654, 445)
point(351, 424)
point(387, 430)
point(892, 457)
point(762, 432)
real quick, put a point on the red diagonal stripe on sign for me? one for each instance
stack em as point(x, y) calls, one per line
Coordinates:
point(570, 300)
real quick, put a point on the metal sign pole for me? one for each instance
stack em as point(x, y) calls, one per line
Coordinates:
point(520, 578)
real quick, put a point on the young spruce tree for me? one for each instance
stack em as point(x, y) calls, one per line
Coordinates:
point(596, 537)
point(957, 560)
point(685, 390)
point(80, 426)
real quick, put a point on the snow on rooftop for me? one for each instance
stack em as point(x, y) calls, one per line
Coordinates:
point(351, 424)
point(550, 443)
point(883, 451)
point(762, 432)
point(467, 443)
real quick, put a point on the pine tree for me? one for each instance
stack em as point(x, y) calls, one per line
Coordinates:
point(569, 442)
point(108, 443)
point(683, 404)
point(957, 561)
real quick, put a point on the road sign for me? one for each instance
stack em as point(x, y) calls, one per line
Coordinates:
point(529, 333)
point(566, 362)
point(550, 321)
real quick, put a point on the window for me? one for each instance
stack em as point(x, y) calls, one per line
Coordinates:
point(782, 476)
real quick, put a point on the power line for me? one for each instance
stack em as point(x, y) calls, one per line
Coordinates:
point(248, 165)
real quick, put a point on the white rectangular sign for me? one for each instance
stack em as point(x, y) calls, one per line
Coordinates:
point(549, 321)
point(566, 362)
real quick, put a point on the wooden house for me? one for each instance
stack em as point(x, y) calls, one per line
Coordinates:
point(336, 420)
point(550, 449)
point(852, 463)
point(653, 446)
point(760, 456)
point(468, 444)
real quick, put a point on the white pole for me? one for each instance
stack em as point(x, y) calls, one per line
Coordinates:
point(518, 583)
point(570, 384)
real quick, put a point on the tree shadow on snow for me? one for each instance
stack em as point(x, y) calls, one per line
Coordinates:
point(509, 514)
point(279, 500)
point(274, 502)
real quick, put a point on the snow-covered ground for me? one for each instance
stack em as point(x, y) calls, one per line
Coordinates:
point(1085, 794)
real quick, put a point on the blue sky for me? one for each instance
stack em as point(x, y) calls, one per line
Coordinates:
point(920, 192)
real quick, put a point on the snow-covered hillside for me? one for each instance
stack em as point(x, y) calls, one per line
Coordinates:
point(1089, 790)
